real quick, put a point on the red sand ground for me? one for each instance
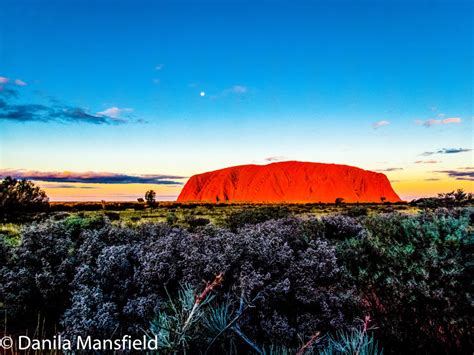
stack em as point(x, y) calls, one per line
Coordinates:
point(290, 181)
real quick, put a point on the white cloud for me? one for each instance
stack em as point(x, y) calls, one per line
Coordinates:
point(20, 82)
point(427, 162)
point(159, 67)
point(436, 122)
point(452, 120)
point(233, 90)
point(238, 89)
point(379, 124)
point(114, 112)
point(4, 80)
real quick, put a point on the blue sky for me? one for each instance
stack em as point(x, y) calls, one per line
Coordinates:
point(365, 83)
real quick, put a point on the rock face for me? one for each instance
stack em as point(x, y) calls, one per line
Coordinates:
point(290, 181)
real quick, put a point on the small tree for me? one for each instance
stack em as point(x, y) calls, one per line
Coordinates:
point(21, 196)
point(460, 196)
point(150, 197)
point(383, 199)
point(339, 201)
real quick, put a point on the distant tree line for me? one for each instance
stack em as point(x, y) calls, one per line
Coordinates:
point(456, 198)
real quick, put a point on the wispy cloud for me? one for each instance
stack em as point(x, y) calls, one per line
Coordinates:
point(238, 89)
point(275, 158)
point(91, 177)
point(114, 112)
point(20, 82)
point(379, 124)
point(427, 162)
point(66, 186)
point(461, 174)
point(159, 66)
point(435, 122)
point(447, 151)
point(54, 110)
point(4, 80)
point(389, 169)
point(233, 90)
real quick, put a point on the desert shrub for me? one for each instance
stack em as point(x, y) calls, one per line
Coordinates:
point(194, 320)
point(171, 218)
point(78, 223)
point(357, 211)
point(113, 216)
point(36, 278)
point(5, 253)
point(341, 227)
point(292, 277)
point(295, 286)
point(450, 199)
point(57, 216)
point(20, 196)
point(255, 215)
point(39, 273)
point(195, 222)
point(124, 269)
point(411, 275)
point(140, 206)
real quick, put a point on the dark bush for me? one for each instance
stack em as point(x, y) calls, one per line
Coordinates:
point(5, 253)
point(341, 227)
point(21, 196)
point(36, 278)
point(171, 218)
point(450, 199)
point(357, 211)
point(127, 270)
point(113, 216)
point(195, 222)
point(254, 215)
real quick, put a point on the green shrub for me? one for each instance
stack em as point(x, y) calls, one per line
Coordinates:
point(195, 222)
point(171, 218)
point(411, 275)
point(357, 211)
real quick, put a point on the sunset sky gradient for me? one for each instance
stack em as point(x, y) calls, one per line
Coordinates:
point(104, 100)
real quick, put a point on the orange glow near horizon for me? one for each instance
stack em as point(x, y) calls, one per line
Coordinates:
point(412, 189)
point(406, 189)
point(107, 192)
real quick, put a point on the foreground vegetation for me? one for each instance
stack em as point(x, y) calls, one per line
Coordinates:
point(283, 285)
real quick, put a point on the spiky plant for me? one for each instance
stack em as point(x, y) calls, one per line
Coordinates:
point(174, 327)
point(355, 342)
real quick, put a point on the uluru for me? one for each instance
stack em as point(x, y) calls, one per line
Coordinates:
point(289, 182)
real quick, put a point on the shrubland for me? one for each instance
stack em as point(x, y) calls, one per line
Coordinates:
point(286, 284)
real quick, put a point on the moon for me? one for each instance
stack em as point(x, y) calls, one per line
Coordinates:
point(202, 93)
